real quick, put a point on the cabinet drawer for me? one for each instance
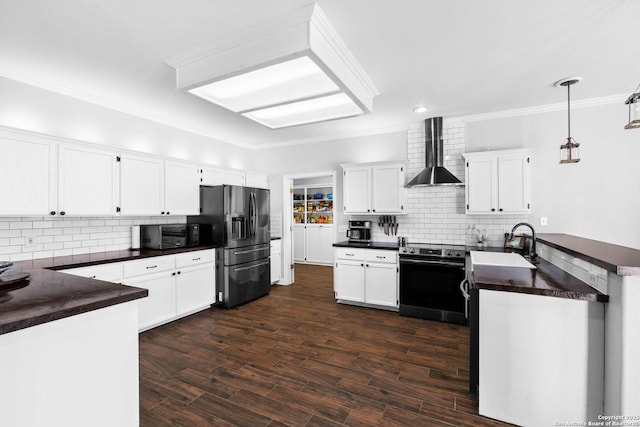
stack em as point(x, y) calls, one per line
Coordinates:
point(350, 253)
point(194, 258)
point(375, 255)
point(107, 272)
point(149, 265)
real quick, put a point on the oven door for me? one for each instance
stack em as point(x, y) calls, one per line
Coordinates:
point(430, 289)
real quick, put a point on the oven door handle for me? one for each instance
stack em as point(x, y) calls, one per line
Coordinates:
point(464, 288)
point(435, 263)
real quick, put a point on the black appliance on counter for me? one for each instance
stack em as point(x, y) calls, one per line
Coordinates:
point(431, 280)
point(169, 236)
point(238, 224)
point(359, 231)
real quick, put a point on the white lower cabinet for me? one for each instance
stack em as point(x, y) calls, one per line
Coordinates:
point(178, 285)
point(159, 306)
point(313, 243)
point(195, 286)
point(276, 260)
point(368, 276)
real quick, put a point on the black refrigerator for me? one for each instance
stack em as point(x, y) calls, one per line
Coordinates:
point(236, 220)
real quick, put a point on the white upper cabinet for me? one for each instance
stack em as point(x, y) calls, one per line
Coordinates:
point(498, 182)
point(181, 188)
point(88, 181)
point(27, 174)
point(388, 192)
point(219, 176)
point(141, 185)
point(376, 188)
point(357, 189)
point(256, 179)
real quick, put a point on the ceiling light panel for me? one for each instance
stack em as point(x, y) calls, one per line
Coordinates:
point(296, 59)
point(288, 81)
point(310, 111)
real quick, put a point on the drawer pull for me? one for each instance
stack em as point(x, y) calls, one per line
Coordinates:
point(153, 266)
point(350, 254)
point(381, 257)
point(195, 259)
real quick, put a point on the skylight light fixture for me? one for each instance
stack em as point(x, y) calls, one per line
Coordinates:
point(292, 70)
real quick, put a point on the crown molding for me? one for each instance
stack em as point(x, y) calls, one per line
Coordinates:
point(560, 106)
point(325, 138)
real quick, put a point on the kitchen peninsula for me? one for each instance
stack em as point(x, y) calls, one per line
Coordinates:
point(529, 317)
point(70, 344)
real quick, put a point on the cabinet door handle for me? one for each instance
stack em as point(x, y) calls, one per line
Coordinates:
point(168, 212)
point(62, 212)
point(152, 266)
point(361, 265)
point(179, 272)
point(162, 213)
point(493, 209)
point(52, 213)
point(367, 265)
point(500, 209)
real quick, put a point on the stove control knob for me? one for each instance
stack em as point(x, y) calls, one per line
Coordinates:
point(411, 250)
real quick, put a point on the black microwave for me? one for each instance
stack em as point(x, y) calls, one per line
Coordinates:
point(169, 236)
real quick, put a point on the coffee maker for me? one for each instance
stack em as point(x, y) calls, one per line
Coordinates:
point(359, 231)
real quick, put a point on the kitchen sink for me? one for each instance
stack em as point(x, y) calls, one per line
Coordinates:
point(500, 259)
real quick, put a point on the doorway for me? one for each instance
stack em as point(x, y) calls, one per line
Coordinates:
point(308, 216)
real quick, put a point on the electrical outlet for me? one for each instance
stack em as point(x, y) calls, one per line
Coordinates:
point(543, 220)
point(29, 238)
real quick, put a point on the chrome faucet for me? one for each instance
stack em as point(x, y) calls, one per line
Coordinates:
point(532, 250)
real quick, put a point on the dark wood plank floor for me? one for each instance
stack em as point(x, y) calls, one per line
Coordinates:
point(298, 358)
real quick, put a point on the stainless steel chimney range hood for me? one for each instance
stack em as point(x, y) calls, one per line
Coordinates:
point(434, 173)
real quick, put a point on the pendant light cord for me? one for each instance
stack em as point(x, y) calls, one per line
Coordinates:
point(569, 111)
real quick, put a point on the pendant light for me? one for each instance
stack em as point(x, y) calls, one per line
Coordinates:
point(569, 151)
point(634, 110)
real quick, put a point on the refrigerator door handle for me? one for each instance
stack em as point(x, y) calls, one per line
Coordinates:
point(251, 266)
point(248, 251)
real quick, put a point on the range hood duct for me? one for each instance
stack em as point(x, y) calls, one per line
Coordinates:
point(434, 173)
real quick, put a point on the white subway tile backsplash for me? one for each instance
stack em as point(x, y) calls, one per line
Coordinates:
point(60, 236)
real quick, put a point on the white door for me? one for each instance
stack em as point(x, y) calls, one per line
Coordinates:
point(141, 185)
point(387, 189)
point(299, 242)
point(88, 181)
point(513, 194)
point(357, 190)
point(328, 237)
point(181, 189)
point(212, 176)
point(348, 279)
point(194, 288)
point(257, 180)
point(314, 244)
point(232, 177)
point(28, 177)
point(159, 306)
point(276, 260)
point(381, 284)
point(481, 185)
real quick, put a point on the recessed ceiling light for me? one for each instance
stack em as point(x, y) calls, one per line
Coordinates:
point(291, 70)
point(421, 109)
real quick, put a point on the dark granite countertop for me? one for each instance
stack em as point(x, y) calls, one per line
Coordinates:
point(546, 280)
point(392, 246)
point(617, 259)
point(51, 295)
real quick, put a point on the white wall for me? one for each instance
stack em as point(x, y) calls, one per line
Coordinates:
point(325, 156)
point(34, 109)
point(596, 198)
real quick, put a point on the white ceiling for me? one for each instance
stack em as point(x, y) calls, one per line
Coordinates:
point(460, 58)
